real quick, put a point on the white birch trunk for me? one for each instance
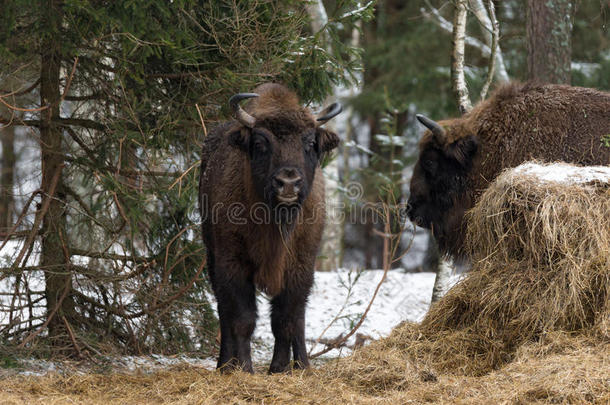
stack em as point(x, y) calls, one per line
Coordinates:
point(433, 15)
point(317, 13)
point(458, 78)
point(442, 280)
point(443, 273)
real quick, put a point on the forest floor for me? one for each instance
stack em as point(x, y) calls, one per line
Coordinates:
point(565, 369)
point(337, 302)
point(372, 375)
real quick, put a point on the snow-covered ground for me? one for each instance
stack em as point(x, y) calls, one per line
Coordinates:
point(337, 302)
point(339, 299)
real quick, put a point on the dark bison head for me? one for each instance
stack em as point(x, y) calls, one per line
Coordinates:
point(438, 197)
point(284, 144)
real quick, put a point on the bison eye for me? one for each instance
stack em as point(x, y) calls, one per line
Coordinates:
point(309, 144)
point(260, 146)
point(430, 165)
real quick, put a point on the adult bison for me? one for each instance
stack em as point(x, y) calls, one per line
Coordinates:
point(261, 195)
point(459, 157)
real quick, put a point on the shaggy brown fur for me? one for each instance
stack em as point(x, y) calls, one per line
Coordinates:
point(246, 244)
point(518, 123)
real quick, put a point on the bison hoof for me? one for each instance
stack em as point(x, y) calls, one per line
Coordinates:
point(232, 366)
point(276, 368)
point(297, 365)
point(300, 365)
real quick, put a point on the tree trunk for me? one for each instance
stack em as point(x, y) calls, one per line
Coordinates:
point(54, 260)
point(8, 160)
point(460, 90)
point(348, 135)
point(333, 231)
point(441, 282)
point(549, 44)
point(373, 221)
point(458, 78)
point(7, 172)
point(318, 15)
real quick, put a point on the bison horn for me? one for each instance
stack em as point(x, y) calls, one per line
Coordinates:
point(433, 126)
point(238, 112)
point(329, 112)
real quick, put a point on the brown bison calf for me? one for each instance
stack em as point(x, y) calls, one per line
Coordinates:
point(459, 157)
point(261, 195)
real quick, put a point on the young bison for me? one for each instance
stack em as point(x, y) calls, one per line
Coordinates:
point(459, 157)
point(261, 195)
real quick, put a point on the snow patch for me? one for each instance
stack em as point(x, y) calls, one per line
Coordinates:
point(565, 173)
point(339, 298)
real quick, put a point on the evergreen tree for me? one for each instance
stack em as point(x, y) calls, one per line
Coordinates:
point(126, 91)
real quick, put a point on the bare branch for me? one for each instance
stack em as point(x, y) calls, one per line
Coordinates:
point(433, 15)
point(146, 311)
point(49, 318)
point(88, 97)
point(39, 216)
point(72, 338)
point(79, 122)
point(100, 277)
point(14, 234)
point(42, 108)
point(491, 31)
point(21, 92)
point(494, 49)
point(387, 260)
point(109, 256)
point(21, 216)
point(80, 143)
point(128, 173)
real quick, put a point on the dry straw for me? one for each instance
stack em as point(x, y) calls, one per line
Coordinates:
point(528, 324)
point(541, 263)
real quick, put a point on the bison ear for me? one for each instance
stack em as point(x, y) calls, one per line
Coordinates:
point(239, 138)
point(463, 150)
point(326, 140)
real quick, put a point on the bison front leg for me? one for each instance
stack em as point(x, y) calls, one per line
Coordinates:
point(288, 326)
point(237, 314)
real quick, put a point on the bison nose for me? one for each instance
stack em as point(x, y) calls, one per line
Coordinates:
point(288, 181)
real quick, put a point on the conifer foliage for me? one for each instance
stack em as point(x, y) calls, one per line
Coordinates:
point(107, 248)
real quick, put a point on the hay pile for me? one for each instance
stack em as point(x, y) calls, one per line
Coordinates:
point(529, 323)
point(540, 242)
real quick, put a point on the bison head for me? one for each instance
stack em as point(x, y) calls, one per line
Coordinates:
point(438, 190)
point(284, 144)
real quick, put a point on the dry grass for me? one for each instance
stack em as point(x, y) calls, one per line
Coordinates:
point(529, 324)
point(576, 373)
point(541, 264)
